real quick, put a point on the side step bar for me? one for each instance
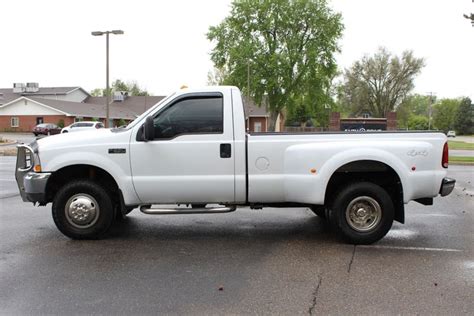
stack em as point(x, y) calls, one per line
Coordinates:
point(147, 209)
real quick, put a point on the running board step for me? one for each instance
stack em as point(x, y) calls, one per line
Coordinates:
point(177, 211)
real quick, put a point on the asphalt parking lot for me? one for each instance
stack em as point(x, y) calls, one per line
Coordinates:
point(271, 261)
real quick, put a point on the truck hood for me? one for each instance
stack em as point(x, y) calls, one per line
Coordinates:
point(80, 139)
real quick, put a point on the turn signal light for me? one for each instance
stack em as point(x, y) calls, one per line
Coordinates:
point(37, 168)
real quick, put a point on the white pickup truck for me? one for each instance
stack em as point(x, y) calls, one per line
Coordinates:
point(192, 151)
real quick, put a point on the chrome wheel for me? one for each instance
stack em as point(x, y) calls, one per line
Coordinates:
point(82, 210)
point(363, 213)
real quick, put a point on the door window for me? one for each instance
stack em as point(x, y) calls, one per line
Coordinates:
point(202, 115)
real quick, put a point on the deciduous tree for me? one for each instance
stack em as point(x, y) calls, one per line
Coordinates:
point(278, 50)
point(444, 113)
point(464, 120)
point(380, 82)
point(131, 87)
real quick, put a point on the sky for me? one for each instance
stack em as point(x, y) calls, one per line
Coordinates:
point(165, 44)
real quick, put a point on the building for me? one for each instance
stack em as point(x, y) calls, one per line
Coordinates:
point(257, 118)
point(27, 105)
point(362, 124)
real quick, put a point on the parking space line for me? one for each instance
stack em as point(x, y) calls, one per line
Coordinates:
point(434, 215)
point(410, 248)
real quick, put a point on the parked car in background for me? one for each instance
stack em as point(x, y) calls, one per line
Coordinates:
point(82, 126)
point(451, 134)
point(46, 129)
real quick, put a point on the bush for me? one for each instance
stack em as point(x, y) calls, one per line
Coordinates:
point(60, 123)
point(122, 122)
point(418, 122)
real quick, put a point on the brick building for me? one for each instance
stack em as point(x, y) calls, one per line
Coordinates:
point(25, 106)
point(368, 124)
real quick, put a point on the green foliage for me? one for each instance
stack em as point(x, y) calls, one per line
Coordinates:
point(122, 122)
point(131, 87)
point(216, 77)
point(415, 104)
point(279, 50)
point(60, 123)
point(379, 83)
point(97, 92)
point(418, 122)
point(464, 119)
point(444, 113)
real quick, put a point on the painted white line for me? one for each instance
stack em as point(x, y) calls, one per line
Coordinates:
point(411, 248)
point(434, 215)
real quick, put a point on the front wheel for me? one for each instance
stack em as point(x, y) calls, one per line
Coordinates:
point(362, 213)
point(82, 209)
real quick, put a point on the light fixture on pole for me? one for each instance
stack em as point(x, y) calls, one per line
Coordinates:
point(107, 90)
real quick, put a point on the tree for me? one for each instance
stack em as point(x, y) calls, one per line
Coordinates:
point(444, 113)
point(379, 83)
point(278, 50)
point(216, 77)
point(415, 104)
point(131, 87)
point(464, 120)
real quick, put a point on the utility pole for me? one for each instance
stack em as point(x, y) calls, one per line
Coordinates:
point(430, 110)
point(248, 79)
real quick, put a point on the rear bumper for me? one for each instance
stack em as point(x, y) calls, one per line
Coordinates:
point(447, 186)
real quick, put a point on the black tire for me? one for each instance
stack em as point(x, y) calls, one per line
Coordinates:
point(354, 213)
point(319, 211)
point(36, 134)
point(80, 194)
point(65, 132)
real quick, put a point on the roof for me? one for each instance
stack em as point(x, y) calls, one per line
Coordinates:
point(129, 109)
point(9, 95)
point(252, 110)
point(135, 104)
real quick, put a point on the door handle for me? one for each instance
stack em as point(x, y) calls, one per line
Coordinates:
point(226, 151)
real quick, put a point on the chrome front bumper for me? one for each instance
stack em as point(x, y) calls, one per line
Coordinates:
point(32, 185)
point(447, 186)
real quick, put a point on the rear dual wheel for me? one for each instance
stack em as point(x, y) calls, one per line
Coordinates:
point(362, 213)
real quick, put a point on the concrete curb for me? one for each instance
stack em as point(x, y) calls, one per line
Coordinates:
point(9, 143)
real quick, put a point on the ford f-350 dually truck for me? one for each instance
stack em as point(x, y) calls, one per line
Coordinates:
point(192, 149)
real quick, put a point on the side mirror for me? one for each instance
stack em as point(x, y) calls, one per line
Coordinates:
point(149, 129)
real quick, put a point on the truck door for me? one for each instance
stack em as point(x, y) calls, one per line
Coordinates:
point(191, 159)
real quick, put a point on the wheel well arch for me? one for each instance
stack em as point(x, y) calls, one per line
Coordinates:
point(371, 171)
point(81, 171)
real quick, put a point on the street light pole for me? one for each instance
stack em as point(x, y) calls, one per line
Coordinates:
point(107, 89)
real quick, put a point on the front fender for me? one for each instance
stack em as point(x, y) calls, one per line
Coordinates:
point(119, 168)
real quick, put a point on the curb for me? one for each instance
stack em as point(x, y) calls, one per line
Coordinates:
point(9, 143)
